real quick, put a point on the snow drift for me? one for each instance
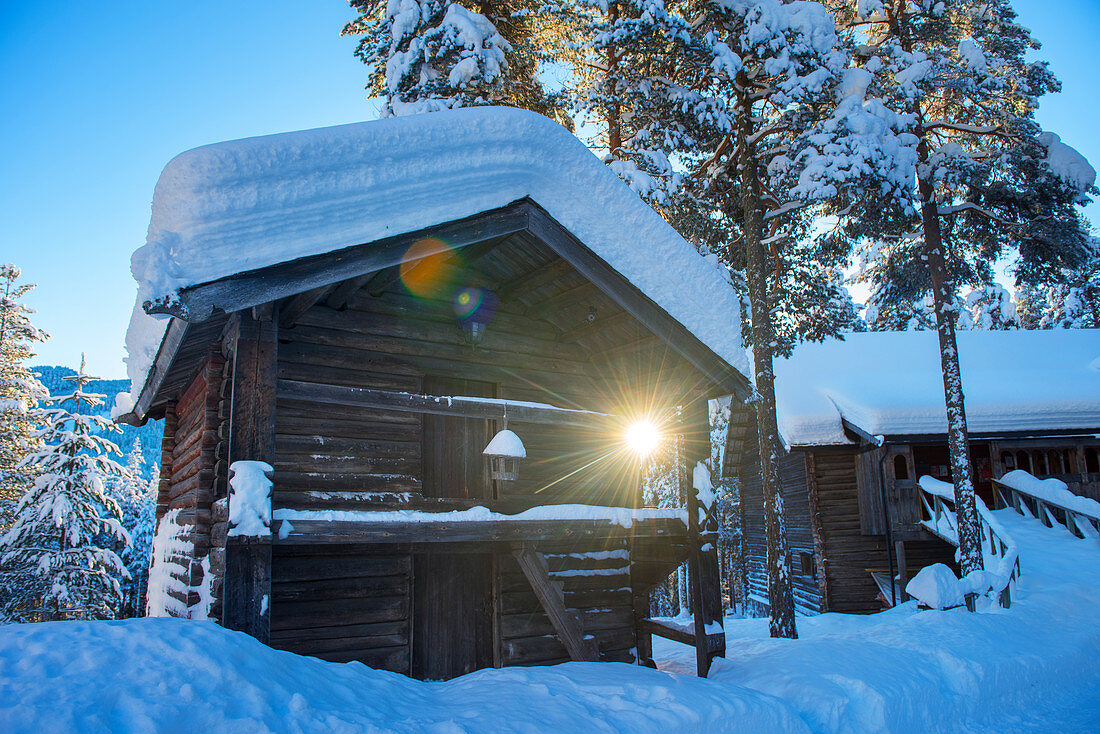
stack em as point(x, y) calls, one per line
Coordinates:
point(1028, 668)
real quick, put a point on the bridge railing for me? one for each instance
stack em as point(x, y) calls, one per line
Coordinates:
point(999, 551)
point(1049, 501)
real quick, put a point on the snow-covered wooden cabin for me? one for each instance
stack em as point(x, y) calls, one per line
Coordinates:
point(864, 418)
point(363, 308)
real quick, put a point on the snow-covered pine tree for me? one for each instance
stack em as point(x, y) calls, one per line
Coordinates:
point(428, 55)
point(987, 181)
point(20, 392)
point(137, 500)
point(57, 560)
point(1073, 302)
point(631, 61)
point(776, 124)
point(990, 307)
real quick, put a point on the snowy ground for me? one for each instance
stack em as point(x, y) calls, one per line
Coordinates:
point(1035, 667)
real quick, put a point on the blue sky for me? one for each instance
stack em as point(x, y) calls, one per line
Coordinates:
point(96, 97)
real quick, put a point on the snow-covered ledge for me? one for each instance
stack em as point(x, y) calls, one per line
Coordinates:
point(250, 499)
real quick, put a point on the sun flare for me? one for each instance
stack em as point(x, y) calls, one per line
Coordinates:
point(643, 437)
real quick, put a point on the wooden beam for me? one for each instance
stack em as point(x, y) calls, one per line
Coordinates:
point(546, 308)
point(539, 277)
point(299, 304)
point(552, 599)
point(627, 295)
point(244, 290)
point(343, 292)
point(595, 326)
point(706, 589)
point(246, 588)
point(166, 354)
point(715, 642)
point(458, 406)
point(818, 532)
point(474, 533)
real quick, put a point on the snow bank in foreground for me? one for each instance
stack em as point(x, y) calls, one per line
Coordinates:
point(163, 675)
point(1030, 668)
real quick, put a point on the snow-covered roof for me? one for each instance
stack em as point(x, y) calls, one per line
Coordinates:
point(889, 383)
point(226, 208)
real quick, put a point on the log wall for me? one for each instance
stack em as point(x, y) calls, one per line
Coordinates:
point(848, 550)
point(188, 481)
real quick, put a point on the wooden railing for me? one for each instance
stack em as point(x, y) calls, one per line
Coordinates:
point(938, 502)
point(1080, 522)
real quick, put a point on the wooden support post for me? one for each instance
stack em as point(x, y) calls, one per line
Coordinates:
point(246, 588)
point(643, 637)
point(903, 569)
point(552, 599)
point(706, 591)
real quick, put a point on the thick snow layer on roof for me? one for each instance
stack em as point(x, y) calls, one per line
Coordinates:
point(889, 383)
point(226, 208)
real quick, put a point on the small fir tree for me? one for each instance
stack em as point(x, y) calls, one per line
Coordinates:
point(57, 560)
point(20, 392)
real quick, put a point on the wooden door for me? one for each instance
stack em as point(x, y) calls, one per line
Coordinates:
point(453, 614)
point(452, 591)
point(454, 466)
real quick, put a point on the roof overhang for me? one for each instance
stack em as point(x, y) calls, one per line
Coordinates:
point(203, 302)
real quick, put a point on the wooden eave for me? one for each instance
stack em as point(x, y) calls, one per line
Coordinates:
point(199, 314)
point(861, 437)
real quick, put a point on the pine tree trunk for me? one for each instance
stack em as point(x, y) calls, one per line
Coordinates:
point(958, 442)
point(614, 124)
point(780, 597)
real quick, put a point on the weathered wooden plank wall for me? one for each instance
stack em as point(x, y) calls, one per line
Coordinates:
point(332, 457)
point(796, 506)
point(849, 550)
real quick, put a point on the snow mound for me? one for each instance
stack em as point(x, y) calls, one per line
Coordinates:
point(250, 498)
point(1029, 668)
point(1067, 163)
point(890, 383)
point(169, 675)
point(230, 207)
point(936, 586)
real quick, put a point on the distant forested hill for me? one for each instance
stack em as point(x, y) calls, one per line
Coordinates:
point(149, 434)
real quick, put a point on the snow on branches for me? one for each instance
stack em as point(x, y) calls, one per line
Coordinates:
point(429, 55)
point(20, 393)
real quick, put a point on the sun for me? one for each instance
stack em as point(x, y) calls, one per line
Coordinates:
point(643, 437)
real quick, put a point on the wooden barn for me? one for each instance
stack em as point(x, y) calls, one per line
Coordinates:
point(863, 419)
point(363, 309)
